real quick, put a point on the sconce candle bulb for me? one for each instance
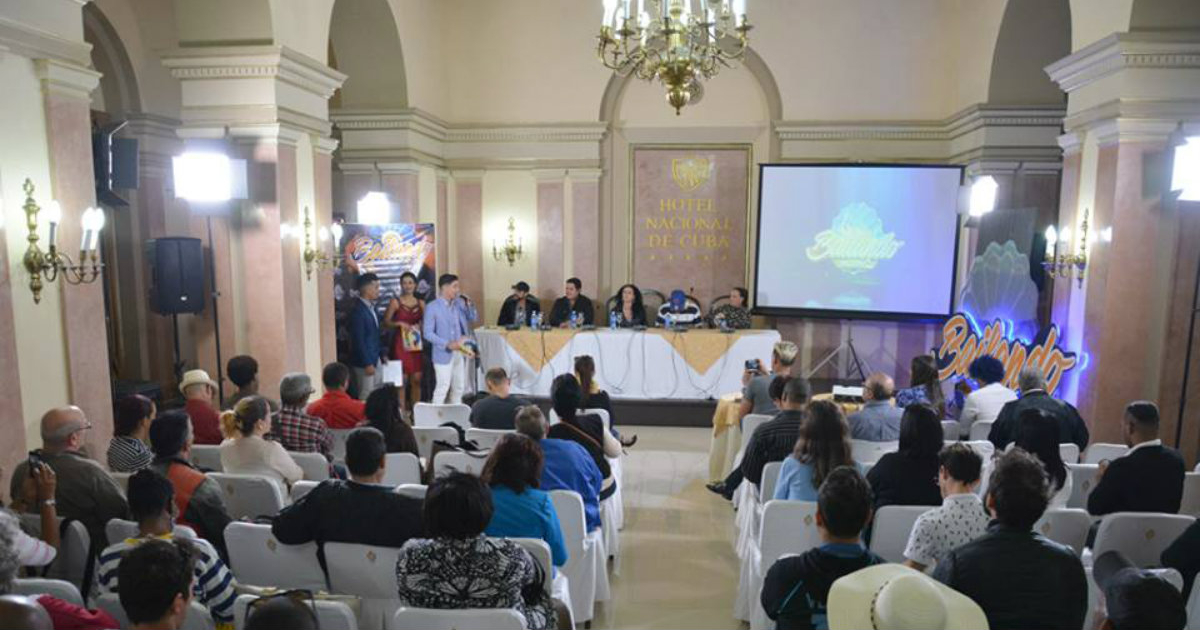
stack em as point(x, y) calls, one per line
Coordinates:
point(49, 265)
point(313, 258)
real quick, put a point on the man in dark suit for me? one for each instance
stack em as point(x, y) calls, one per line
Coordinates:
point(519, 307)
point(1032, 382)
point(572, 302)
point(365, 347)
point(1149, 478)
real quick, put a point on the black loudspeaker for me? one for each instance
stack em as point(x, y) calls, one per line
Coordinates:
point(176, 275)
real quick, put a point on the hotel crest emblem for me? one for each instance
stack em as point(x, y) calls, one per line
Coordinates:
point(691, 173)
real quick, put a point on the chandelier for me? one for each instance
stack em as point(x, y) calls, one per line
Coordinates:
point(679, 42)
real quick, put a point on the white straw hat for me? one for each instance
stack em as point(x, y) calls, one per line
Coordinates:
point(195, 377)
point(895, 597)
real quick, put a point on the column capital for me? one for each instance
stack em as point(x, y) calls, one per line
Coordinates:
point(1071, 143)
point(272, 133)
point(463, 176)
point(35, 43)
point(67, 79)
point(586, 174)
point(357, 168)
point(549, 175)
point(324, 145)
point(397, 168)
point(1128, 130)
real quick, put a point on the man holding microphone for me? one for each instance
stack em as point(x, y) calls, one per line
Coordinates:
point(448, 329)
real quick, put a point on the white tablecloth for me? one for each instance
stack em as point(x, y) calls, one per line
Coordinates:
point(632, 364)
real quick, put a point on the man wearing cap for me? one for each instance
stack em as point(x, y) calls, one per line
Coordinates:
point(200, 391)
point(1135, 599)
point(679, 311)
point(518, 308)
point(292, 427)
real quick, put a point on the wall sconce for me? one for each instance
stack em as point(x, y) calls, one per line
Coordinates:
point(512, 250)
point(1064, 263)
point(313, 257)
point(52, 263)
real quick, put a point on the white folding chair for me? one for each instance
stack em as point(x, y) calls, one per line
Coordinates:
point(447, 461)
point(749, 513)
point(487, 438)
point(586, 563)
point(1101, 451)
point(750, 424)
point(71, 562)
point(555, 585)
point(258, 558)
point(787, 527)
point(401, 468)
point(463, 619)
point(1141, 536)
point(864, 451)
point(893, 525)
point(1067, 526)
point(431, 415)
point(609, 531)
point(1193, 609)
point(950, 430)
point(331, 615)
point(426, 436)
point(207, 457)
point(197, 617)
point(366, 572)
point(414, 490)
point(60, 589)
point(1191, 494)
point(248, 496)
point(1083, 480)
point(1095, 609)
point(985, 448)
point(1069, 451)
point(770, 480)
point(979, 431)
point(339, 443)
point(314, 465)
point(301, 488)
point(122, 479)
point(116, 530)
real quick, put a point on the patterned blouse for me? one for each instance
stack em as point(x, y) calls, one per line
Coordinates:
point(736, 317)
point(959, 520)
point(480, 572)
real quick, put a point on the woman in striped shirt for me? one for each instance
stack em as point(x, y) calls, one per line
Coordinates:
point(127, 452)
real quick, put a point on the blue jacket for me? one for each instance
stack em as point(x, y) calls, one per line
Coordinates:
point(365, 348)
point(568, 466)
point(529, 514)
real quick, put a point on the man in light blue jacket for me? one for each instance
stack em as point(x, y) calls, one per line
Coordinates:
point(447, 327)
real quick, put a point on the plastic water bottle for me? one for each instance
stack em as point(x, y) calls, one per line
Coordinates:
point(574, 320)
point(613, 320)
point(535, 320)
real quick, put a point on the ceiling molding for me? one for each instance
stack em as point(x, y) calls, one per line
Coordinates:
point(1120, 51)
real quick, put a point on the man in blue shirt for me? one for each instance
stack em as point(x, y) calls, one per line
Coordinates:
point(567, 465)
point(448, 327)
point(365, 348)
point(879, 419)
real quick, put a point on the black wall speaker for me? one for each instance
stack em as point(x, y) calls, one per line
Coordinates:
point(176, 275)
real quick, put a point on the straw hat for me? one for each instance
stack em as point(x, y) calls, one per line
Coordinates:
point(195, 377)
point(895, 597)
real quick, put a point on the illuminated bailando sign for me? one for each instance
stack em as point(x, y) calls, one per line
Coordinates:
point(856, 242)
point(963, 342)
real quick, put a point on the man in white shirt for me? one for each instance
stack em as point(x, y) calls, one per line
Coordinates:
point(961, 517)
point(985, 403)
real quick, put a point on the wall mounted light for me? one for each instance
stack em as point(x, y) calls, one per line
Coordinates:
point(1060, 260)
point(983, 196)
point(1185, 172)
point(513, 248)
point(314, 257)
point(53, 263)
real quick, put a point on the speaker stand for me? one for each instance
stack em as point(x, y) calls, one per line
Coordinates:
point(212, 273)
point(846, 346)
point(178, 365)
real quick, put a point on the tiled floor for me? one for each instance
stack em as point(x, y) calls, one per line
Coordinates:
point(678, 569)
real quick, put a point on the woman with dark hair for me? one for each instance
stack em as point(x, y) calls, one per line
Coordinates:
point(985, 403)
point(522, 510)
point(596, 398)
point(247, 451)
point(910, 475)
point(584, 429)
point(383, 412)
point(1037, 434)
point(127, 452)
point(823, 445)
point(925, 386)
point(404, 315)
point(630, 309)
point(734, 314)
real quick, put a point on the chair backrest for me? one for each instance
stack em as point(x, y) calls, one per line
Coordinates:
point(258, 558)
point(487, 438)
point(893, 524)
point(118, 529)
point(985, 448)
point(1083, 480)
point(331, 615)
point(950, 430)
point(366, 572)
point(1068, 526)
point(1069, 451)
point(197, 615)
point(314, 465)
point(122, 479)
point(401, 468)
point(339, 443)
point(1191, 495)
point(540, 551)
point(749, 423)
point(414, 490)
point(770, 478)
point(787, 527)
point(568, 505)
point(864, 451)
point(71, 562)
point(431, 415)
point(462, 619)
point(457, 460)
point(426, 436)
point(301, 488)
point(980, 431)
point(1193, 608)
point(1100, 451)
point(207, 457)
point(1141, 536)
point(60, 589)
point(248, 496)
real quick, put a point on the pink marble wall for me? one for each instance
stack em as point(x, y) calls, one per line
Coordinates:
point(550, 238)
point(468, 234)
point(353, 186)
point(585, 254)
point(151, 217)
point(886, 347)
point(12, 416)
point(442, 228)
point(291, 249)
point(404, 191)
point(323, 213)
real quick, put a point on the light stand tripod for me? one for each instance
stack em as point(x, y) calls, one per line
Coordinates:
point(846, 346)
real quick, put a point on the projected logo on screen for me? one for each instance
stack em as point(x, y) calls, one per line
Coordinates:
point(691, 173)
point(856, 242)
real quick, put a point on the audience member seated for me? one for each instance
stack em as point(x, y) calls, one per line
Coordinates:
point(879, 418)
point(680, 311)
point(158, 577)
point(1135, 599)
point(596, 398)
point(128, 452)
point(37, 495)
point(200, 390)
point(821, 447)
point(1020, 578)
point(518, 308)
point(522, 509)
point(497, 410)
point(242, 370)
point(910, 475)
point(756, 397)
point(360, 510)
point(152, 504)
point(83, 490)
point(282, 610)
point(583, 429)
point(1037, 434)
point(1149, 478)
point(734, 314)
point(925, 385)
point(961, 517)
point(199, 500)
point(295, 430)
point(796, 588)
point(1032, 382)
point(248, 452)
point(566, 465)
point(1184, 556)
point(25, 613)
point(630, 309)
point(775, 443)
point(893, 597)
point(385, 413)
point(985, 403)
point(491, 572)
point(336, 407)
point(572, 302)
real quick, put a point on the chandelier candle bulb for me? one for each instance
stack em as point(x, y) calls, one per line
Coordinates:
point(53, 218)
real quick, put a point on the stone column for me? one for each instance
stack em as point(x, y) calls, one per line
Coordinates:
point(583, 232)
point(357, 179)
point(401, 185)
point(442, 227)
point(322, 177)
point(467, 233)
point(552, 234)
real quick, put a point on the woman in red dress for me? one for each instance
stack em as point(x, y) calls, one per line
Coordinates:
point(404, 314)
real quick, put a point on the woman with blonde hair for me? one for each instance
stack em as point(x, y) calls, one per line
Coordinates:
point(245, 451)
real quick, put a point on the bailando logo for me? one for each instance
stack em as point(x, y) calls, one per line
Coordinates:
point(963, 342)
point(389, 246)
point(856, 242)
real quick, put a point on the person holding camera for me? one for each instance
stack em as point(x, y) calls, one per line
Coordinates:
point(756, 396)
point(37, 491)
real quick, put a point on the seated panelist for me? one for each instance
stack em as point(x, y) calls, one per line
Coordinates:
point(573, 302)
point(630, 311)
point(680, 311)
point(519, 307)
